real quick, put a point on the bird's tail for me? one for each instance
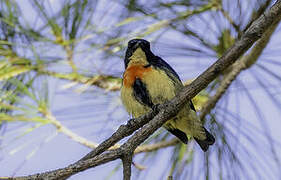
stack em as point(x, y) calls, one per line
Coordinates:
point(204, 144)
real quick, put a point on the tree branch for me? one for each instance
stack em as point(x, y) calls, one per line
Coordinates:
point(256, 14)
point(244, 63)
point(63, 173)
point(127, 163)
point(169, 109)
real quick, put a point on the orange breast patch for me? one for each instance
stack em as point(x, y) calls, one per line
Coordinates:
point(133, 72)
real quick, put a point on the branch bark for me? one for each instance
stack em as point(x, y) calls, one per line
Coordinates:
point(168, 109)
point(127, 163)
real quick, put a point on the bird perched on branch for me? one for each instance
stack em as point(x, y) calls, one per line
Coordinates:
point(148, 81)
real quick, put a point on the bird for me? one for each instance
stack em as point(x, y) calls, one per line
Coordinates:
point(149, 81)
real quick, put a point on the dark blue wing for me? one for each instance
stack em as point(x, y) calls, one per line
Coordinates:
point(179, 134)
point(160, 63)
point(141, 93)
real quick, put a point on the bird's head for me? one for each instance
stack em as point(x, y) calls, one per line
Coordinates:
point(138, 51)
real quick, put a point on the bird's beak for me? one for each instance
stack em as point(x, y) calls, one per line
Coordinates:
point(136, 45)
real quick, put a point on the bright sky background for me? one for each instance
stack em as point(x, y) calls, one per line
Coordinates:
point(45, 149)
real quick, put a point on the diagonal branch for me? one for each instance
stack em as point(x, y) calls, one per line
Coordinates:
point(244, 63)
point(171, 108)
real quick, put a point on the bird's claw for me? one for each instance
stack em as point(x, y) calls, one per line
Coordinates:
point(130, 122)
point(155, 107)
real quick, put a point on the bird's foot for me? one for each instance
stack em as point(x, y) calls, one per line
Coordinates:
point(130, 122)
point(155, 108)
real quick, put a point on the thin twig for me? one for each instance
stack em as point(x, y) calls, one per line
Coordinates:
point(156, 146)
point(109, 83)
point(122, 131)
point(230, 20)
point(75, 137)
point(138, 166)
point(69, 56)
point(85, 142)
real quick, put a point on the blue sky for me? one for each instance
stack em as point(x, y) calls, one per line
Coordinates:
point(96, 113)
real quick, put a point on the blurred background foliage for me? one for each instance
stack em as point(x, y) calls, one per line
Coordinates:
point(61, 64)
